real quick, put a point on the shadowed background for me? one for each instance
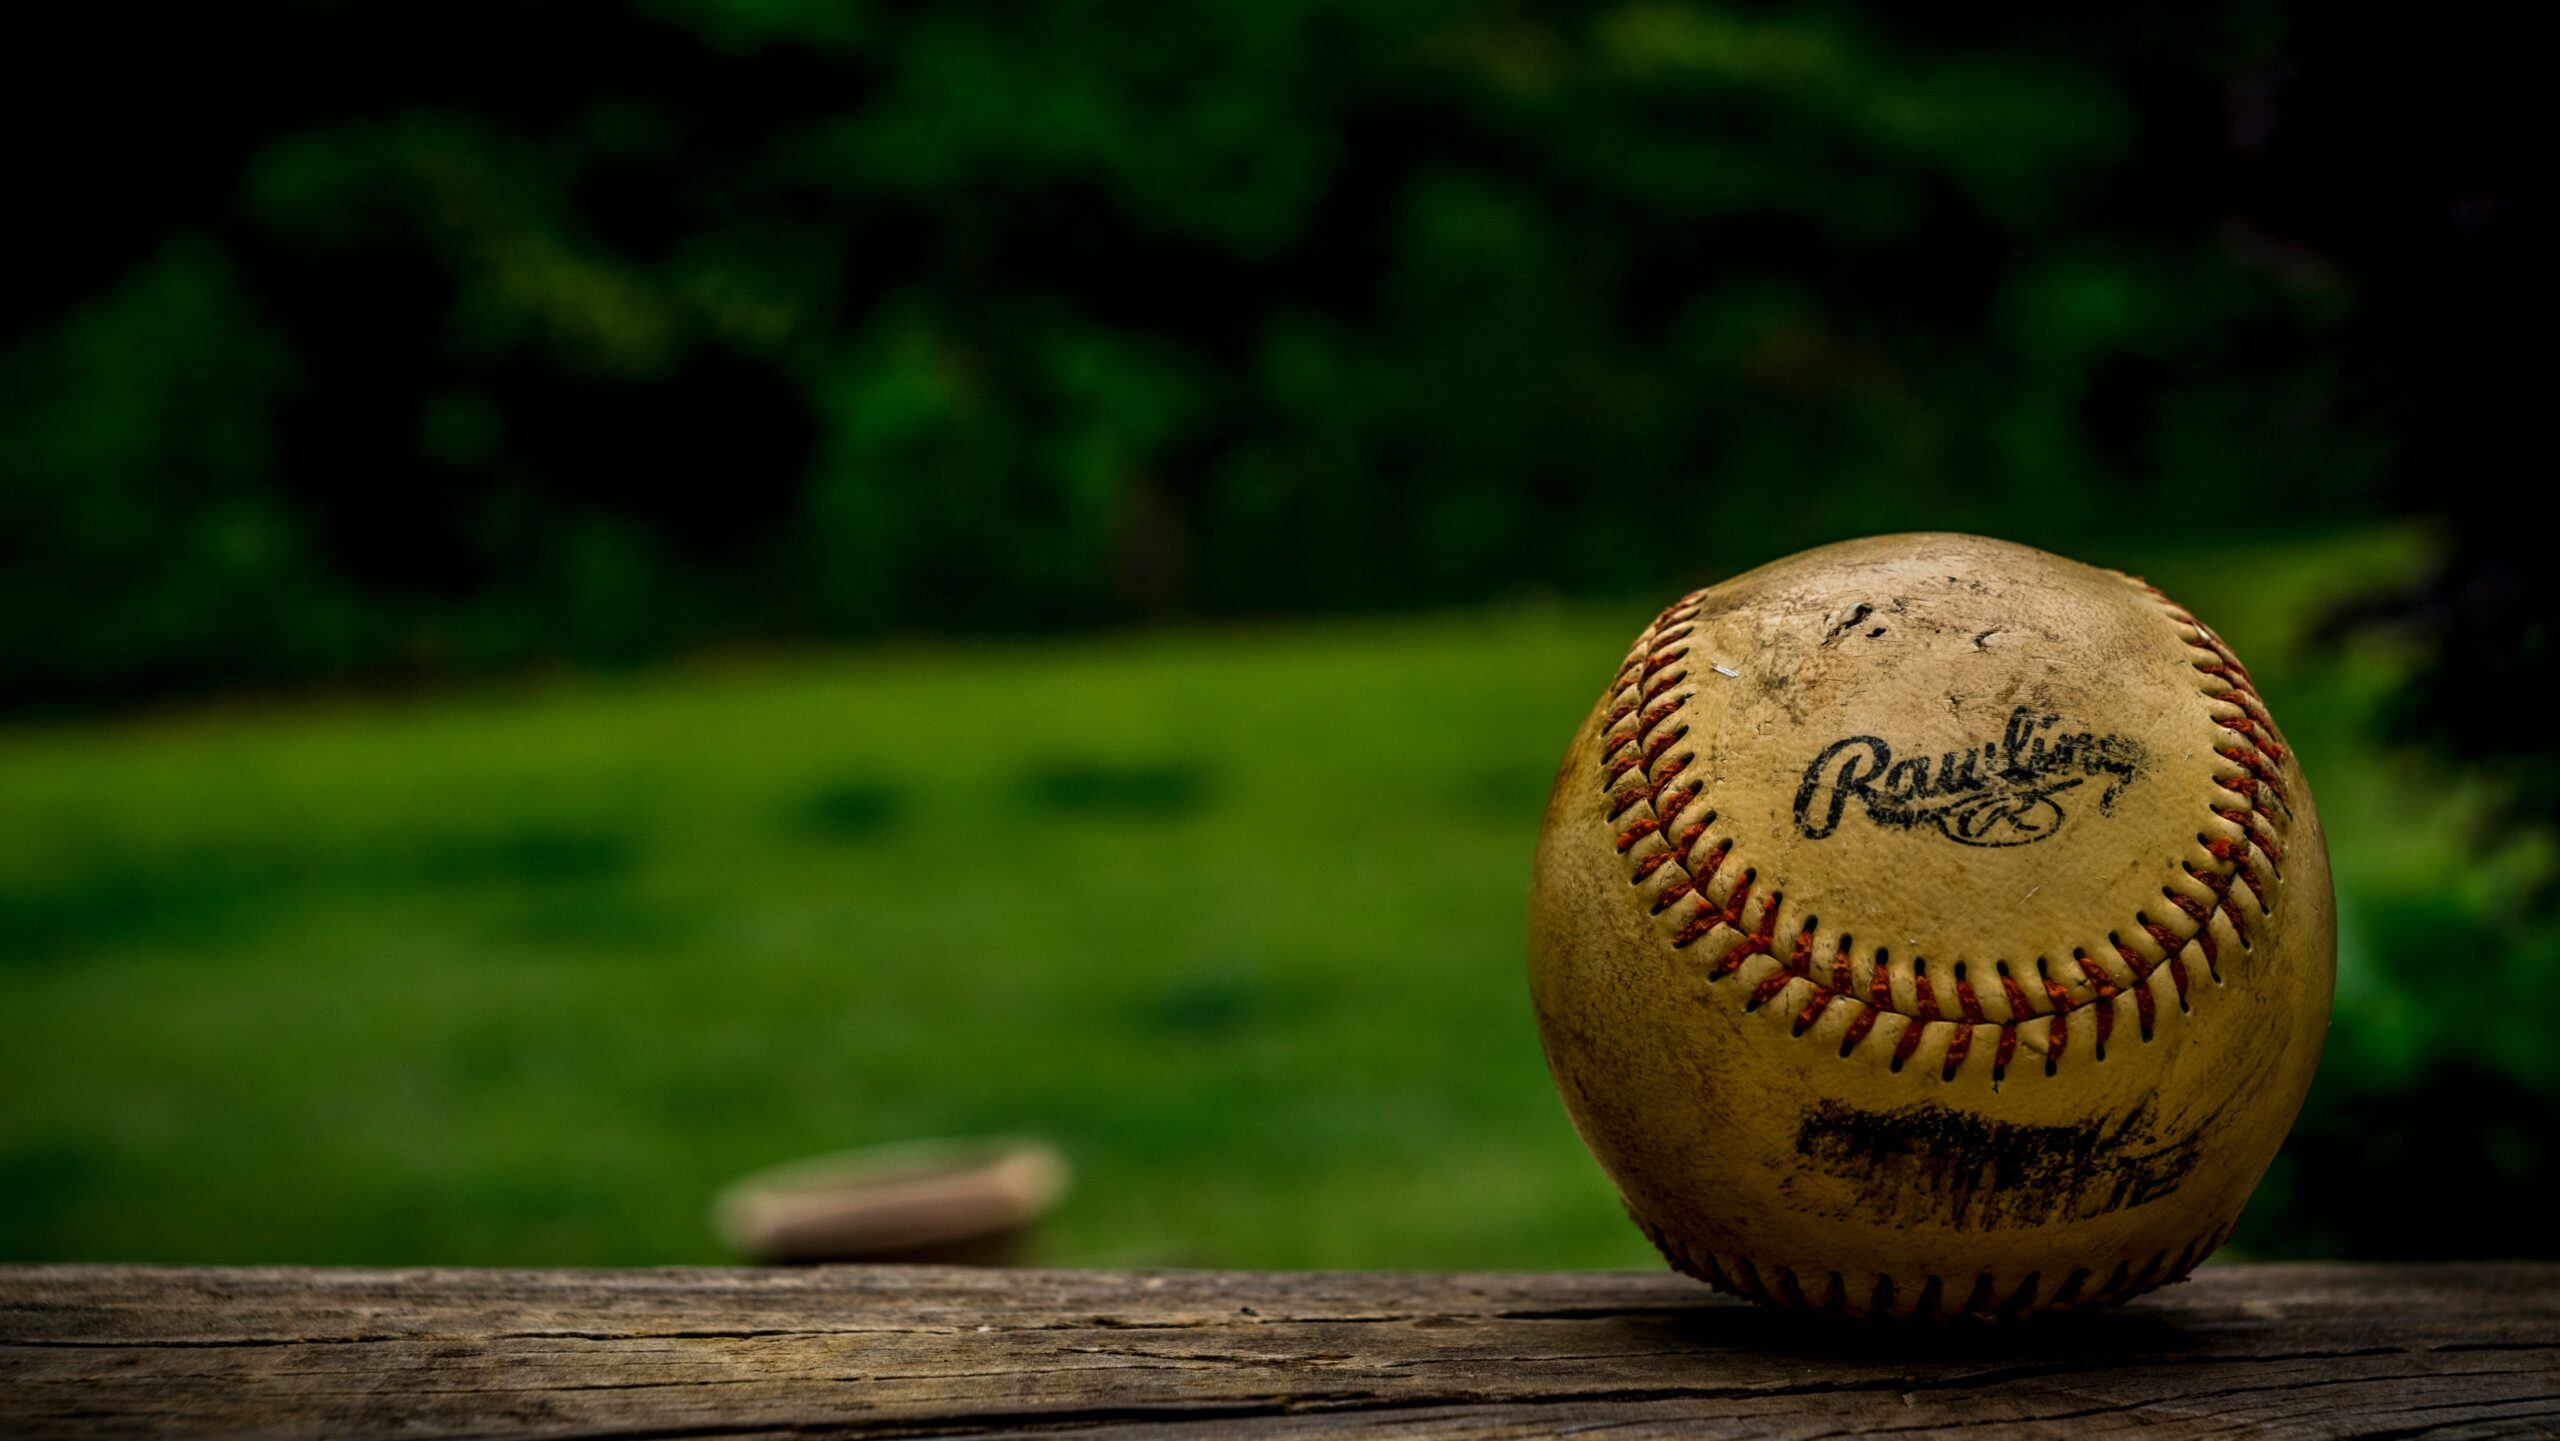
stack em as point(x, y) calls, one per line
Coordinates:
point(592, 597)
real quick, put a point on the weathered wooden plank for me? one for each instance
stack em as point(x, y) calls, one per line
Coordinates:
point(2296, 1351)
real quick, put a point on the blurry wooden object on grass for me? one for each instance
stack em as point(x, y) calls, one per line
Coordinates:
point(957, 1203)
point(2241, 1350)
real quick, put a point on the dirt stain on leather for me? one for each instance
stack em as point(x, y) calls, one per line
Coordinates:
point(1928, 1163)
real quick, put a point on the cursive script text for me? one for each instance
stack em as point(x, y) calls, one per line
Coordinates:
point(2002, 792)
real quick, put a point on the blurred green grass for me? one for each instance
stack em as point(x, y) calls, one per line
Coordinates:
point(523, 975)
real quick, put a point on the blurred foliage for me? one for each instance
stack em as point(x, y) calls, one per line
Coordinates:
point(412, 337)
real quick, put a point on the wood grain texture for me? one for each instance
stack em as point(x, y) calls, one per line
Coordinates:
point(2295, 1351)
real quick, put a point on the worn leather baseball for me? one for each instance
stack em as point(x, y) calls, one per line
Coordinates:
point(1931, 926)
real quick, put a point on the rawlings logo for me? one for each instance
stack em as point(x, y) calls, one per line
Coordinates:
point(1996, 793)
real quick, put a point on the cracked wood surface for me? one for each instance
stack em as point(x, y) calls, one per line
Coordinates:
point(2309, 1351)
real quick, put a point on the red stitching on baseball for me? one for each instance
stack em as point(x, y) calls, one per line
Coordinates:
point(1858, 1028)
point(1958, 1046)
point(2097, 980)
point(1814, 1006)
point(1654, 748)
point(1906, 1044)
point(1776, 1284)
point(1678, 801)
point(2053, 990)
point(2018, 1007)
point(1768, 989)
point(2257, 752)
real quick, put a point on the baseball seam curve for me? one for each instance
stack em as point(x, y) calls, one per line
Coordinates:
point(2251, 803)
point(1776, 1284)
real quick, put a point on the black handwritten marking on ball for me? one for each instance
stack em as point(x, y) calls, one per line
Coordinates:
point(1995, 793)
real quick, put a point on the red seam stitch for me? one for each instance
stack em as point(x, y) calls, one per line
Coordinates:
point(2259, 757)
point(1654, 748)
point(1800, 960)
point(1908, 1043)
point(1706, 918)
point(2196, 910)
point(1712, 862)
point(1959, 1046)
point(1768, 989)
point(2097, 980)
point(2248, 875)
point(2133, 960)
point(2054, 992)
point(2265, 840)
point(1814, 1006)
point(1773, 1283)
point(2019, 1010)
point(1755, 942)
point(1865, 1022)
point(2203, 938)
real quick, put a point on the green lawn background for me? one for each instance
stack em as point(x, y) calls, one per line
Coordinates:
point(524, 974)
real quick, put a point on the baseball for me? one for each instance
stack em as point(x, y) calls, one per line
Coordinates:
point(1928, 926)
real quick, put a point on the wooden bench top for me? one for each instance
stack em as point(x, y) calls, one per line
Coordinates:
point(2277, 1350)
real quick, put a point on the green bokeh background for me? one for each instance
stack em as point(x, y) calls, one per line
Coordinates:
point(597, 596)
